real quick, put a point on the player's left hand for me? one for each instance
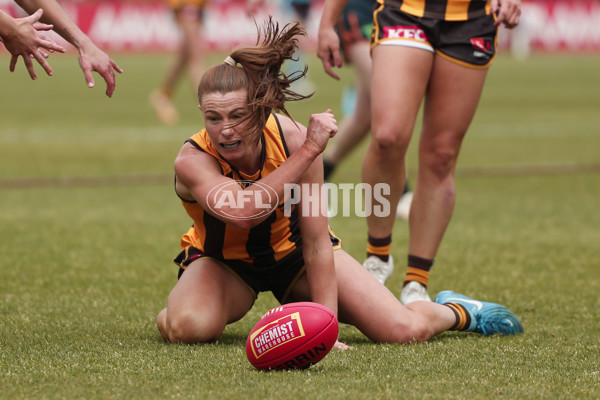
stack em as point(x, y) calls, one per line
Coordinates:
point(509, 12)
point(91, 58)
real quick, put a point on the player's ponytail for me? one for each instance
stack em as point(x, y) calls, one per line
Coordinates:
point(258, 69)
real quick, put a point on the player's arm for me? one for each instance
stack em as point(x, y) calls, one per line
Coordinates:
point(91, 58)
point(328, 47)
point(23, 37)
point(316, 244)
point(198, 174)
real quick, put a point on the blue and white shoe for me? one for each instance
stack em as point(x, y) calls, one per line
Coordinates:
point(486, 318)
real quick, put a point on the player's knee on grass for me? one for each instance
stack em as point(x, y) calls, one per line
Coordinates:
point(194, 327)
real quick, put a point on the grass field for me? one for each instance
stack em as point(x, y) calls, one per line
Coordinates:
point(89, 223)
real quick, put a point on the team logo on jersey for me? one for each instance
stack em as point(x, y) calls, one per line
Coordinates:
point(226, 198)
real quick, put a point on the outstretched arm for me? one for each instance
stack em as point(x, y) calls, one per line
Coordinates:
point(23, 37)
point(91, 58)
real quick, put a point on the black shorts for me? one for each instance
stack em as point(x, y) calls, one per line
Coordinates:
point(355, 24)
point(278, 278)
point(471, 43)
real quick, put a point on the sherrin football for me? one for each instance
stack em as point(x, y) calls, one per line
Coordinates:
point(292, 336)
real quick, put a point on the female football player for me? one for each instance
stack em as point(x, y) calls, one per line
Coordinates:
point(190, 58)
point(438, 51)
point(232, 178)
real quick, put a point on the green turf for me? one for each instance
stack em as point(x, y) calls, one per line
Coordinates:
point(89, 223)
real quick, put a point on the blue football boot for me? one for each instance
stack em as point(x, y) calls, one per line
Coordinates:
point(486, 318)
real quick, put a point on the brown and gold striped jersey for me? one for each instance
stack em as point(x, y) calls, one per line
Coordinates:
point(267, 242)
point(449, 10)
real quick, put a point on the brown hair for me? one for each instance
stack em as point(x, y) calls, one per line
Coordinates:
point(259, 73)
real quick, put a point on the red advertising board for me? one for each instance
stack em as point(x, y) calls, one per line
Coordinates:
point(117, 25)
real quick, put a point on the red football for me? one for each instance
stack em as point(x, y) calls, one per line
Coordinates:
point(292, 336)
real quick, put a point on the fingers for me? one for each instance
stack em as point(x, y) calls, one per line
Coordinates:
point(329, 52)
point(328, 63)
point(335, 60)
point(109, 77)
point(48, 44)
point(89, 78)
point(42, 61)
point(329, 122)
point(13, 63)
point(95, 60)
point(509, 12)
point(341, 346)
point(39, 26)
point(494, 6)
point(116, 67)
point(29, 66)
point(35, 16)
point(110, 85)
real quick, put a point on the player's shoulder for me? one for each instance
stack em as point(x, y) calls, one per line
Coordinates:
point(294, 133)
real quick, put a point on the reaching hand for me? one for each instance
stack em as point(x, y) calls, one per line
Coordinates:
point(91, 58)
point(27, 42)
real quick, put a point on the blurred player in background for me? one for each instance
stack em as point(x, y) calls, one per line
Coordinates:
point(232, 253)
point(294, 10)
point(301, 9)
point(190, 58)
point(438, 51)
point(354, 30)
point(22, 37)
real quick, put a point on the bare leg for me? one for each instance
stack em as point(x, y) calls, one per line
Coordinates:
point(391, 130)
point(190, 56)
point(354, 128)
point(375, 311)
point(451, 101)
point(206, 298)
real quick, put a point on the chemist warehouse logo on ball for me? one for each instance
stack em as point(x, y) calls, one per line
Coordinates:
point(310, 199)
point(277, 333)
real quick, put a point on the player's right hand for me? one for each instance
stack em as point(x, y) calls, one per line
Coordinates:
point(321, 127)
point(328, 51)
